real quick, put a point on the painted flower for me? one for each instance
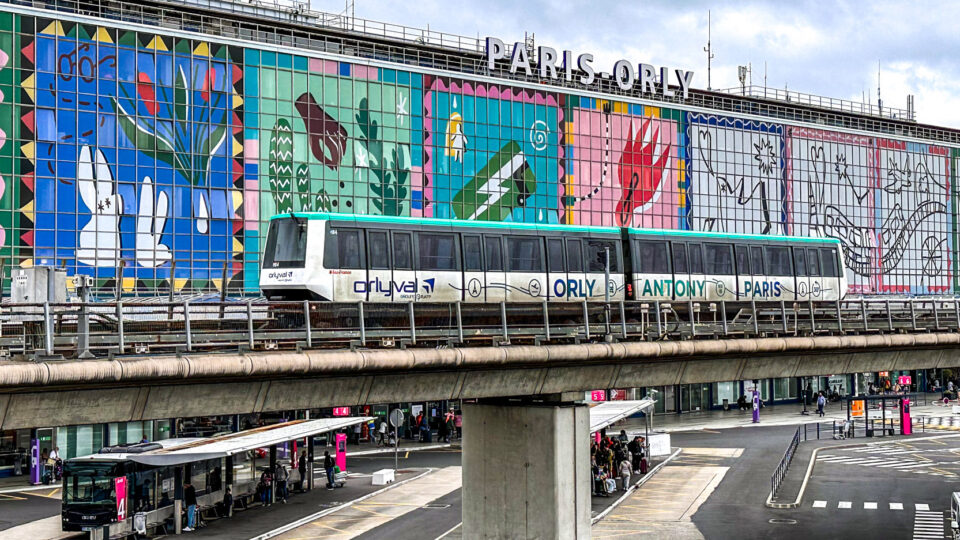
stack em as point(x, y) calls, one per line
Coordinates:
point(146, 92)
point(641, 171)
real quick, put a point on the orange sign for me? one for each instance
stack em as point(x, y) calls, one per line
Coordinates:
point(856, 408)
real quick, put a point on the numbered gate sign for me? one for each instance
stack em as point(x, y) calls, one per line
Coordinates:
point(120, 488)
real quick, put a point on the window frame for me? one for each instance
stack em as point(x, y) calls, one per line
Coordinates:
point(679, 249)
point(454, 256)
point(370, 255)
point(578, 245)
point(510, 251)
point(393, 250)
point(493, 240)
point(463, 250)
point(551, 253)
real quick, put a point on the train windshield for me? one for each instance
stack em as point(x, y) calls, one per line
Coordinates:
point(286, 244)
point(90, 483)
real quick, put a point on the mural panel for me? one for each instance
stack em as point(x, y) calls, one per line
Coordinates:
point(623, 165)
point(736, 175)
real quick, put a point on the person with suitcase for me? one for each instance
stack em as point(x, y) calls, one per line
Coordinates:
point(644, 466)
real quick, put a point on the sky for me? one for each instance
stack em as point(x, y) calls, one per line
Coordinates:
point(830, 49)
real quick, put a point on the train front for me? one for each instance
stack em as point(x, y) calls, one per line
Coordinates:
point(292, 259)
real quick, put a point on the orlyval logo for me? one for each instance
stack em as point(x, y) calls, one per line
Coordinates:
point(428, 285)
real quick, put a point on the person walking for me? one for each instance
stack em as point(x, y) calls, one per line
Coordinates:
point(821, 401)
point(328, 464)
point(382, 433)
point(625, 474)
point(266, 481)
point(190, 500)
point(280, 475)
point(450, 420)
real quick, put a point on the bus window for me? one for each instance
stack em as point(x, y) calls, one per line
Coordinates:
point(472, 261)
point(696, 258)
point(680, 258)
point(756, 259)
point(524, 254)
point(778, 261)
point(800, 261)
point(813, 262)
point(402, 254)
point(349, 249)
point(494, 252)
point(652, 257)
point(718, 259)
point(829, 258)
point(555, 255)
point(378, 250)
point(596, 256)
point(437, 252)
point(574, 256)
point(743, 260)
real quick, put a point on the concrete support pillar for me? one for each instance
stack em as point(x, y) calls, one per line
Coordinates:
point(526, 470)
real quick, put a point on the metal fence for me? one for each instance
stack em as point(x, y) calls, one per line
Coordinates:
point(101, 329)
point(776, 480)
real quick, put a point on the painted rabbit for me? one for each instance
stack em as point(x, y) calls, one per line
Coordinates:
point(151, 219)
point(100, 238)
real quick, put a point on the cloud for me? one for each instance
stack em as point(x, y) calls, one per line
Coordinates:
point(829, 49)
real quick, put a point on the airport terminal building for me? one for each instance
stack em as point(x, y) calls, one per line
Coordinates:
point(148, 143)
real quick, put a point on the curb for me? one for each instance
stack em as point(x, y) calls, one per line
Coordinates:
point(813, 461)
point(635, 486)
point(303, 521)
point(390, 450)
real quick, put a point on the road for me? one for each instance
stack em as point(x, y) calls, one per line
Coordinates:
point(26, 506)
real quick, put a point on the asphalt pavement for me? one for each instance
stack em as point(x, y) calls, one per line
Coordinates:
point(21, 507)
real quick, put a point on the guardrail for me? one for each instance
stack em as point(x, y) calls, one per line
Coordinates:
point(99, 329)
point(781, 471)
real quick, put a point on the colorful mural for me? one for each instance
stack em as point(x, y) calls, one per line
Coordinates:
point(152, 162)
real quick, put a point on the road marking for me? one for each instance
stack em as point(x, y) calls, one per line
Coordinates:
point(819, 504)
point(922, 507)
point(845, 504)
point(869, 506)
point(896, 506)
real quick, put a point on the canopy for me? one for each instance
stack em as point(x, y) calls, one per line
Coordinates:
point(608, 412)
point(244, 441)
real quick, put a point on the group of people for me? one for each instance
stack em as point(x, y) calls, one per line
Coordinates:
point(616, 457)
point(885, 386)
point(449, 426)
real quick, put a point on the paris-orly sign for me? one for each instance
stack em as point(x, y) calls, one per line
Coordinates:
point(554, 65)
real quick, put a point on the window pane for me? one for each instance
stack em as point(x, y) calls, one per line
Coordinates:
point(696, 258)
point(718, 259)
point(378, 251)
point(471, 254)
point(652, 257)
point(437, 252)
point(286, 244)
point(778, 261)
point(829, 258)
point(743, 261)
point(680, 259)
point(402, 259)
point(493, 250)
point(524, 255)
point(800, 261)
point(555, 255)
point(348, 244)
point(574, 256)
point(756, 256)
point(813, 262)
point(596, 256)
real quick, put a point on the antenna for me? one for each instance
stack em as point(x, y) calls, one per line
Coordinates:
point(709, 50)
point(879, 100)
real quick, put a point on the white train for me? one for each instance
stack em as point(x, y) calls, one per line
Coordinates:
point(352, 258)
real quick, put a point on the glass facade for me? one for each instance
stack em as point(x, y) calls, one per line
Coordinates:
point(150, 160)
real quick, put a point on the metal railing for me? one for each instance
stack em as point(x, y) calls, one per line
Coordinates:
point(776, 480)
point(791, 96)
point(102, 329)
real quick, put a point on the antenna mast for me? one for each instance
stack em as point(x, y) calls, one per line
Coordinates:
point(709, 50)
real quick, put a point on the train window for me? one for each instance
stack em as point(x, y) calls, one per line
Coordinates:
point(597, 257)
point(472, 261)
point(718, 259)
point(680, 258)
point(350, 249)
point(286, 244)
point(494, 252)
point(829, 258)
point(696, 258)
point(437, 252)
point(756, 259)
point(652, 257)
point(555, 255)
point(778, 261)
point(377, 244)
point(574, 255)
point(800, 261)
point(402, 252)
point(524, 254)
point(743, 260)
point(813, 262)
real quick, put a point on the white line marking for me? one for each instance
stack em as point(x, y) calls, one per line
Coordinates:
point(922, 507)
point(896, 506)
point(869, 506)
point(844, 504)
point(819, 504)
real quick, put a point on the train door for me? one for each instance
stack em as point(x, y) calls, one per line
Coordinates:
point(473, 290)
point(350, 283)
point(559, 289)
point(681, 271)
point(815, 275)
point(780, 283)
point(834, 282)
point(380, 284)
point(595, 253)
point(800, 269)
point(526, 278)
point(575, 269)
point(439, 278)
point(697, 284)
point(744, 272)
point(495, 279)
point(757, 271)
point(403, 274)
point(721, 277)
point(651, 269)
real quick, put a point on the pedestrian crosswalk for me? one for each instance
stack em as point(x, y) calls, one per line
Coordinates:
point(941, 422)
point(868, 505)
point(928, 525)
point(894, 459)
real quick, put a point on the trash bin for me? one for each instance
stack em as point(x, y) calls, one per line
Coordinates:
point(869, 432)
point(726, 404)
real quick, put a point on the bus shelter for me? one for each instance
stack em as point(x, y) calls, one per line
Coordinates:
point(103, 491)
point(887, 408)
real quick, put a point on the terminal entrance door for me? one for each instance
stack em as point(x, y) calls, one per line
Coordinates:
point(694, 397)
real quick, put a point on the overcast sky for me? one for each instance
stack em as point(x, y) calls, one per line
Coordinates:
point(823, 48)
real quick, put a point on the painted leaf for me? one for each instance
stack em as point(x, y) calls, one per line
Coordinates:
point(281, 165)
point(328, 139)
point(303, 186)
